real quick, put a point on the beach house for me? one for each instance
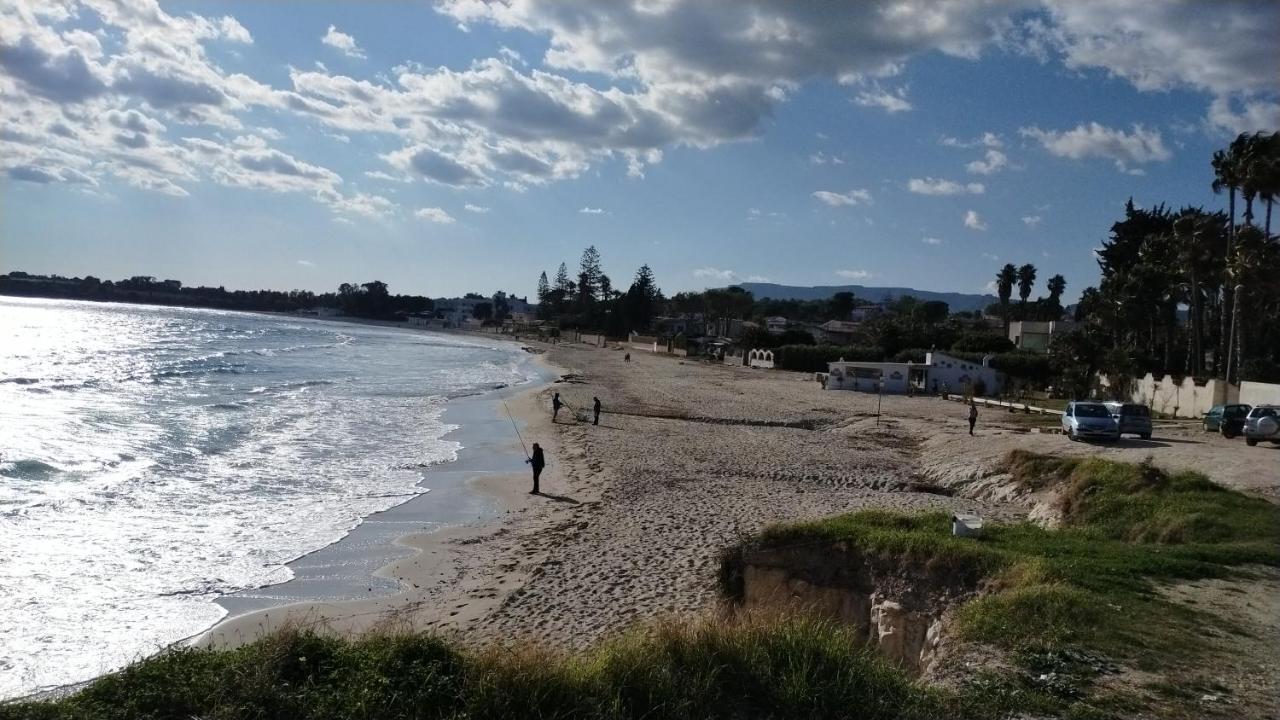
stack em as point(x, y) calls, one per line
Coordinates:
point(1036, 335)
point(939, 372)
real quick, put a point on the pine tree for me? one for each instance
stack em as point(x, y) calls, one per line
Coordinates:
point(544, 288)
point(589, 274)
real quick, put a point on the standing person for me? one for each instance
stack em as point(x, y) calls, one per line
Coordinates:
point(973, 415)
point(537, 461)
point(595, 407)
point(626, 358)
point(556, 404)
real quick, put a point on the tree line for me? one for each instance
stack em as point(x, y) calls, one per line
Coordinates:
point(589, 301)
point(365, 300)
point(1188, 291)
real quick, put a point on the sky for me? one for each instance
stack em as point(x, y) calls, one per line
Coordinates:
point(463, 146)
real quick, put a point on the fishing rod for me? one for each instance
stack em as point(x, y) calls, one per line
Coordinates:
point(514, 426)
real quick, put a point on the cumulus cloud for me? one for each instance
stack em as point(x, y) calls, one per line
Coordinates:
point(835, 199)
point(343, 43)
point(711, 273)
point(854, 274)
point(306, 263)
point(1031, 220)
point(931, 240)
point(991, 163)
point(1092, 140)
point(619, 82)
point(938, 186)
point(821, 158)
point(891, 101)
point(974, 221)
point(478, 209)
point(435, 215)
point(591, 211)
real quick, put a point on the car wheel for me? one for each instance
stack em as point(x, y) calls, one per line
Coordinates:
point(1250, 442)
point(1146, 436)
point(1228, 434)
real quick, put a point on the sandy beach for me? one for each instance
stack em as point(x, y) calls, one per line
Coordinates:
point(688, 458)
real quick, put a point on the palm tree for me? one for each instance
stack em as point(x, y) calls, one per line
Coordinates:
point(1246, 263)
point(1026, 281)
point(1057, 285)
point(1005, 279)
point(1226, 175)
point(1191, 233)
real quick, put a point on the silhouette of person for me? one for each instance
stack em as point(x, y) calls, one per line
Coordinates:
point(626, 358)
point(595, 407)
point(556, 403)
point(935, 387)
point(537, 461)
point(973, 415)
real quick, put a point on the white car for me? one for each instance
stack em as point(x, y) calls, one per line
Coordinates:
point(1262, 423)
point(1089, 421)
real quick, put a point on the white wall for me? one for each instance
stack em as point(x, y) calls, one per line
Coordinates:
point(1256, 393)
point(955, 372)
point(1185, 399)
point(760, 358)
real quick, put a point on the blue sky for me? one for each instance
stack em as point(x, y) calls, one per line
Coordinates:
point(464, 145)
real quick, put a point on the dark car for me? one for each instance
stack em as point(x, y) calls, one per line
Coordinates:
point(1226, 419)
point(1133, 418)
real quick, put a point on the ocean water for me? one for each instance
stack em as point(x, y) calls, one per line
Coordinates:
point(153, 459)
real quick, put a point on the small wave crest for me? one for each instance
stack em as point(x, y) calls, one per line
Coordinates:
point(28, 469)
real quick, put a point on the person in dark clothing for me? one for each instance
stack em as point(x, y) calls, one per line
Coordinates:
point(537, 461)
point(973, 415)
point(556, 404)
point(595, 407)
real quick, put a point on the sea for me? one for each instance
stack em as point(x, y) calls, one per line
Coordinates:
point(155, 459)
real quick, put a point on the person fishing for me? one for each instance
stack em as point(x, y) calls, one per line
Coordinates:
point(595, 408)
point(537, 461)
point(556, 404)
point(973, 415)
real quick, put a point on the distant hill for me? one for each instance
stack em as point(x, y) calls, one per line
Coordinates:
point(957, 301)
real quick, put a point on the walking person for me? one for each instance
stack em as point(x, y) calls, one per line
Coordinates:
point(556, 404)
point(973, 415)
point(537, 461)
point(595, 407)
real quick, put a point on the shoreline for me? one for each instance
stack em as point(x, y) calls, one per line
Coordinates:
point(416, 565)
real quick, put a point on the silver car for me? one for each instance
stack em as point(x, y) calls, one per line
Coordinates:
point(1089, 421)
point(1262, 423)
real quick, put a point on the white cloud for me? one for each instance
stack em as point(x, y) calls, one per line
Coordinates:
point(835, 199)
point(371, 206)
point(993, 162)
point(821, 158)
point(758, 278)
point(306, 263)
point(1031, 220)
point(435, 215)
point(938, 186)
point(711, 273)
point(511, 55)
point(973, 221)
point(987, 139)
point(1094, 140)
point(991, 256)
point(931, 241)
point(478, 209)
point(854, 274)
point(1253, 115)
point(343, 42)
point(591, 211)
point(233, 31)
point(892, 101)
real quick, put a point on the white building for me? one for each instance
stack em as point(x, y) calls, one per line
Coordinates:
point(775, 325)
point(1036, 334)
point(938, 373)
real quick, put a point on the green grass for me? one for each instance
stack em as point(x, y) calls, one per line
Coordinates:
point(796, 668)
point(1090, 586)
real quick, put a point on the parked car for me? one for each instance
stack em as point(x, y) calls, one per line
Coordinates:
point(1089, 421)
point(1226, 419)
point(1263, 423)
point(1133, 418)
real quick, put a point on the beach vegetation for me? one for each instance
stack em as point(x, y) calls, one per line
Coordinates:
point(1090, 589)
